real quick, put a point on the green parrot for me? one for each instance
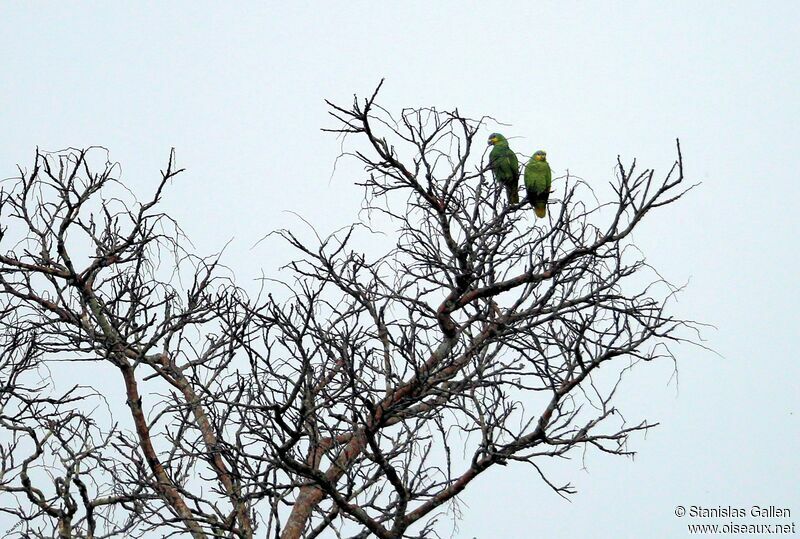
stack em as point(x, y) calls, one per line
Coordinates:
point(538, 179)
point(505, 166)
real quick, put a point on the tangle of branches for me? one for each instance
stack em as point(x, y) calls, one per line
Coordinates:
point(360, 395)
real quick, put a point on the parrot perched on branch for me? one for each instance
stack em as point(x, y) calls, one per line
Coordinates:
point(505, 166)
point(538, 179)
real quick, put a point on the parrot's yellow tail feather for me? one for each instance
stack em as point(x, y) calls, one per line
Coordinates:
point(540, 210)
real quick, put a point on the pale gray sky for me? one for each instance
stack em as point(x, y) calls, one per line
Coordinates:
point(238, 90)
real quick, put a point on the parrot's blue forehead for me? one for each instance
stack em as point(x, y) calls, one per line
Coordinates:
point(493, 135)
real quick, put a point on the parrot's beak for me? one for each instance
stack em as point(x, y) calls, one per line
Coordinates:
point(490, 142)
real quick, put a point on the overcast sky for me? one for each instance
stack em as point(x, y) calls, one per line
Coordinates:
point(238, 90)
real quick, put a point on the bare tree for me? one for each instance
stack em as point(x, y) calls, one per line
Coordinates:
point(356, 397)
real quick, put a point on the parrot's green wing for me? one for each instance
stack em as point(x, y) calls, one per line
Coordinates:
point(505, 168)
point(538, 180)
